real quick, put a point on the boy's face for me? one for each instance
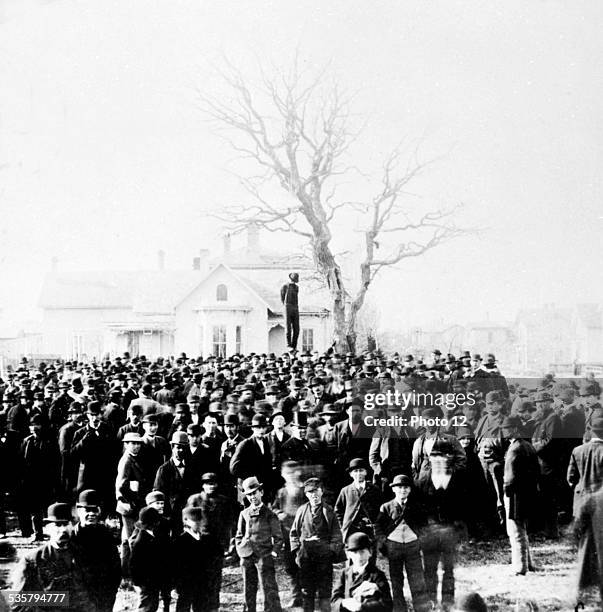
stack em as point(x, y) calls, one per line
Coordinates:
point(358, 475)
point(359, 557)
point(255, 498)
point(192, 525)
point(159, 505)
point(209, 487)
point(402, 493)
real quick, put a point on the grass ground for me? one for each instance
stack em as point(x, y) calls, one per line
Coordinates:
point(482, 567)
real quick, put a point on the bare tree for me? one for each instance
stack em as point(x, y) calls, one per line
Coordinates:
point(297, 132)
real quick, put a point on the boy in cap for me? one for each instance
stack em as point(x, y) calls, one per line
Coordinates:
point(258, 539)
point(361, 586)
point(315, 540)
point(398, 528)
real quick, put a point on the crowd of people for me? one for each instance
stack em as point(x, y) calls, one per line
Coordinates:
point(252, 458)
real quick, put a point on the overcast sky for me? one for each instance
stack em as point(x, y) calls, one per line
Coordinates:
point(104, 157)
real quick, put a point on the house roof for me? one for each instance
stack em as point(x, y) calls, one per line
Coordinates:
point(147, 292)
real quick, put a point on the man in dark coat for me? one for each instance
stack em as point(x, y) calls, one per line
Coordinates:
point(362, 587)
point(54, 567)
point(357, 506)
point(96, 552)
point(253, 457)
point(69, 467)
point(548, 444)
point(95, 450)
point(444, 495)
point(521, 489)
point(10, 479)
point(177, 480)
point(289, 298)
point(40, 474)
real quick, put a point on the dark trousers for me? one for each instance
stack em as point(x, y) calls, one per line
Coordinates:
point(264, 566)
point(192, 598)
point(439, 544)
point(214, 577)
point(290, 566)
point(316, 578)
point(549, 494)
point(148, 598)
point(292, 325)
point(407, 556)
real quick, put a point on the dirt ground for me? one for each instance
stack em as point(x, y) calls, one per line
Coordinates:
point(482, 567)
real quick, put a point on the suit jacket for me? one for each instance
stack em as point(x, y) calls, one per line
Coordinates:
point(258, 535)
point(589, 529)
point(177, 489)
point(547, 442)
point(347, 584)
point(521, 474)
point(444, 506)
point(349, 445)
point(149, 560)
point(40, 468)
point(585, 470)
point(380, 457)
point(132, 484)
point(351, 507)
point(302, 529)
point(391, 514)
point(248, 460)
point(276, 448)
point(97, 458)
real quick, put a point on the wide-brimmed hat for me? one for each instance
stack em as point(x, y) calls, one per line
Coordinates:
point(88, 499)
point(179, 438)
point(132, 436)
point(250, 485)
point(357, 464)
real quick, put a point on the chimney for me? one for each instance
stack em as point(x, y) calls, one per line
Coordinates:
point(196, 263)
point(54, 264)
point(202, 261)
point(161, 260)
point(253, 238)
point(226, 244)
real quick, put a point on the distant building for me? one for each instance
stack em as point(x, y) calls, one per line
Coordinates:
point(230, 304)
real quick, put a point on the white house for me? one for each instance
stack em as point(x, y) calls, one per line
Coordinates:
point(222, 306)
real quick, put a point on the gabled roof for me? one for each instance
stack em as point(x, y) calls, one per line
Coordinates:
point(590, 315)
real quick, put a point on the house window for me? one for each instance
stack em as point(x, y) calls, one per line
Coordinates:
point(307, 340)
point(219, 341)
point(77, 346)
point(221, 293)
point(238, 339)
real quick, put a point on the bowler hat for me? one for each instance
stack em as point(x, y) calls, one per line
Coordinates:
point(401, 480)
point(179, 438)
point(150, 418)
point(294, 276)
point(511, 423)
point(316, 381)
point(464, 432)
point(94, 408)
point(36, 419)
point(58, 513)
point(194, 429)
point(357, 464)
point(88, 498)
point(259, 420)
point(231, 419)
point(132, 436)
point(358, 541)
point(250, 485)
